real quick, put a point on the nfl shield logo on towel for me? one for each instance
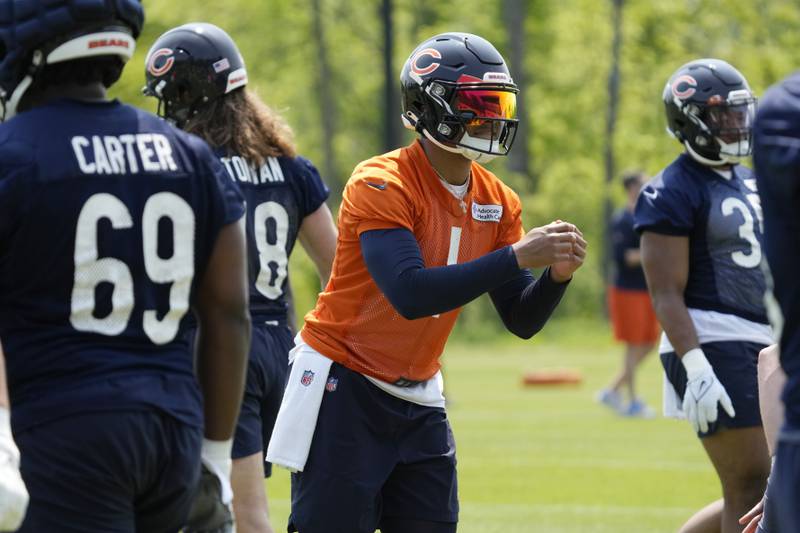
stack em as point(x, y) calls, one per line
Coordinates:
point(331, 385)
point(308, 377)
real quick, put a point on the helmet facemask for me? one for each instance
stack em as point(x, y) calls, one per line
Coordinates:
point(723, 126)
point(475, 119)
point(730, 123)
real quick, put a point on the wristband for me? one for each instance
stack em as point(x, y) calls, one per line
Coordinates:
point(217, 451)
point(5, 422)
point(695, 362)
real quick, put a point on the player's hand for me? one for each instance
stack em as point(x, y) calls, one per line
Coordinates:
point(563, 270)
point(13, 494)
point(703, 391)
point(554, 243)
point(211, 509)
point(752, 518)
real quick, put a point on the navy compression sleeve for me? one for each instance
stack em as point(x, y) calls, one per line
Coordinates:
point(525, 304)
point(394, 261)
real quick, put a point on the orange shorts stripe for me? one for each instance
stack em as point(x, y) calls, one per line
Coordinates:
point(632, 316)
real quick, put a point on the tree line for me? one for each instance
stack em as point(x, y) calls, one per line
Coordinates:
point(324, 64)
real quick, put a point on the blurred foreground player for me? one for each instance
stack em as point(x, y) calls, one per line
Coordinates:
point(112, 224)
point(701, 231)
point(423, 230)
point(13, 494)
point(199, 78)
point(776, 156)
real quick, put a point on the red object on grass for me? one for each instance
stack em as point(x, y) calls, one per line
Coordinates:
point(556, 376)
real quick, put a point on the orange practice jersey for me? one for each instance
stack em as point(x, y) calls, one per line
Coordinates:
point(353, 322)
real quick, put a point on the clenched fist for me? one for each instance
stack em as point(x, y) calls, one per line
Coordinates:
point(559, 245)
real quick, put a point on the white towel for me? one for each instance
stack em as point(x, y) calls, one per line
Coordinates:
point(673, 404)
point(297, 417)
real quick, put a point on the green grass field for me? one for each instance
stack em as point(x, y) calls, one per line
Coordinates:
point(549, 459)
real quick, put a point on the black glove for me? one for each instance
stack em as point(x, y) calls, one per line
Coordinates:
point(208, 513)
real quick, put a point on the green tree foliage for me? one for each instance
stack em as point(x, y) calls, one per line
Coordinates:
point(567, 62)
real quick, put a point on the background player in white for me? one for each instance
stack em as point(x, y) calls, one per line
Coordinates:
point(701, 247)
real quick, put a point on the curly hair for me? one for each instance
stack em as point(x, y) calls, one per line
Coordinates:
point(242, 123)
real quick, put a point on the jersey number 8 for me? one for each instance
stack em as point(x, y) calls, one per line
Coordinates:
point(271, 252)
point(90, 270)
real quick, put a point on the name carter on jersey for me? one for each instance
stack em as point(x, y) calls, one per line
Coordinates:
point(123, 154)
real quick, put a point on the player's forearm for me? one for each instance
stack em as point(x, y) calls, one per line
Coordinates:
point(525, 305)
point(222, 348)
point(318, 237)
point(395, 263)
point(771, 380)
point(633, 257)
point(675, 320)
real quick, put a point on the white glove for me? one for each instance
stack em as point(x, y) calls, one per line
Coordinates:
point(703, 391)
point(211, 508)
point(13, 494)
point(216, 456)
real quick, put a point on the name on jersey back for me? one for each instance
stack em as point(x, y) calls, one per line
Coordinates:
point(123, 154)
point(241, 170)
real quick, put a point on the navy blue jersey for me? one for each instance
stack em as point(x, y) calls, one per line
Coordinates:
point(624, 238)
point(776, 156)
point(279, 195)
point(722, 219)
point(107, 218)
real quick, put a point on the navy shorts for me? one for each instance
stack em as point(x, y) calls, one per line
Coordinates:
point(110, 472)
point(374, 456)
point(267, 371)
point(784, 487)
point(736, 365)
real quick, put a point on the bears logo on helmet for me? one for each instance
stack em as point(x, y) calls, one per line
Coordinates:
point(688, 83)
point(160, 62)
point(432, 52)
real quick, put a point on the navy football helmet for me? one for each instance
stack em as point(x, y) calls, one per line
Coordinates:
point(37, 33)
point(457, 92)
point(710, 110)
point(190, 66)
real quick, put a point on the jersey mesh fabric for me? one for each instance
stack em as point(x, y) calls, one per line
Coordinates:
point(353, 322)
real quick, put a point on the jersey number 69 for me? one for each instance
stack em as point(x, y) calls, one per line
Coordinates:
point(90, 270)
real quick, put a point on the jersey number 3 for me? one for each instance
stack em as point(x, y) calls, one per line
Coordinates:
point(753, 259)
point(91, 270)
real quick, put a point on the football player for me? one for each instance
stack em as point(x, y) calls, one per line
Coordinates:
point(199, 78)
point(700, 222)
point(423, 230)
point(776, 156)
point(112, 225)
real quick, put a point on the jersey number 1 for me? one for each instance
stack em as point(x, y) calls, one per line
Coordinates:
point(91, 270)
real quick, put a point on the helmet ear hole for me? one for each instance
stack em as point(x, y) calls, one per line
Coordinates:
point(3, 49)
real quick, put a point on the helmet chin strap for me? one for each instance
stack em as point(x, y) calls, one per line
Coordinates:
point(472, 155)
point(724, 159)
point(478, 157)
point(452, 149)
point(10, 108)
